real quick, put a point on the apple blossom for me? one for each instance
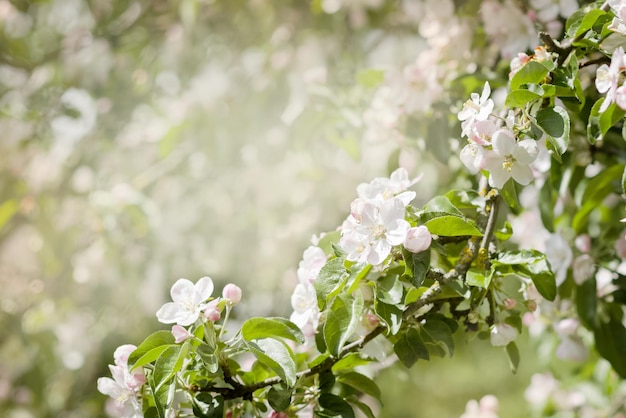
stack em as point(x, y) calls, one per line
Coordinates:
point(487, 407)
point(572, 348)
point(509, 159)
point(188, 301)
point(618, 24)
point(180, 334)
point(502, 334)
point(306, 312)
point(418, 239)
point(232, 293)
point(607, 77)
point(373, 229)
point(477, 109)
point(312, 262)
point(125, 386)
point(386, 188)
point(472, 157)
point(559, 255)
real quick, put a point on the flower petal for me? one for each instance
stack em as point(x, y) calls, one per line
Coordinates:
point(182, 290)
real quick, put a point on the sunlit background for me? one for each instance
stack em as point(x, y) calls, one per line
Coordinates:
point(144, 141)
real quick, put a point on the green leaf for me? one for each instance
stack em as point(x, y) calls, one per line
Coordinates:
point(532, 264)
point(277, 356)
point(441, 204)
point(365, 409)
point(257, 328)
point(441, 334)
point(532, 73)
point(479, 278)
point(206, 406)
point(341, 321)
point(160, 395)
point(335, 405)
point(279, 398)
point(390, 314)
point(510, 196)
point(416, 265)
point(520, 97)
point(594, 192)
point(170, 363)
point(452, 226)
point(349, 362)
point(409, 348)
point(330, 280)
point(600, 123)
point(554, 121)
point(361, 383)
point(389, 290)
point(514, 357)
point(589, 20)
point(154, 340)
point(547, 200)
point(587, 302)
point(611, 344)
point(327, 241)
point(150, 356)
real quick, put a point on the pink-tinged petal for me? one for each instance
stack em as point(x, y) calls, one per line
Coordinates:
point(203, 289)
point(136, 379)
point(180, 334)
point(110, 387)
point(503, 142)
point(122, 353)
point(119, 374)
point(418, 239)
point(182, 290)
point(168, 313)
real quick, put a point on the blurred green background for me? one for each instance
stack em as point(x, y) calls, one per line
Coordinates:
point(143, 141)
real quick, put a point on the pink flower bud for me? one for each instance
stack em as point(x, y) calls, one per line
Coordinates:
point(531, 305)
point(212, 312)
point(180, 333)
point(370, 321)
point(509, 304)
point(232, 293)
point(418, 239)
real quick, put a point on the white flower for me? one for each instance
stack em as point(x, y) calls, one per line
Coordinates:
point(502, 334)
point(476, 109)
point(386, 188)
point(306, 312)
point(125, 385)
point(188, 301)
point(619, 21)
point(418, 239)
point(559, 255)
point(372, 229)
point(509, 159)
point(312, 262)
point(472, 157)
point(607, 77)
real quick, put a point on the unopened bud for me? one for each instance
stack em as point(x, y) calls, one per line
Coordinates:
point(212, 312)
point(531, 305)
point(232, 293)
point(509, 304)
point(370, 321)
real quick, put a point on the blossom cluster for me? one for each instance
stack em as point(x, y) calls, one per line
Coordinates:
point(494, 147)
point(190, 303)
point(376, 223)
